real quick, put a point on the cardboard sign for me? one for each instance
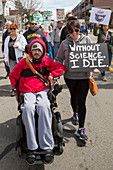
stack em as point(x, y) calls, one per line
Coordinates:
point(101, 16)
point(84, 57)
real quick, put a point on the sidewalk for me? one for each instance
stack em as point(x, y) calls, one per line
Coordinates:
point(0, 37)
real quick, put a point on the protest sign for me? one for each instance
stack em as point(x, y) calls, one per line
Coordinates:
point(37, 17)
point(101, 16)
point(60, 14)
point(47, 20)
point(47, 15)
point(84, 57)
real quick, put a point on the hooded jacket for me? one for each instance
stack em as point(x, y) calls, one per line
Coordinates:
point(63, 56)
point(28, 82)
point(31, 35)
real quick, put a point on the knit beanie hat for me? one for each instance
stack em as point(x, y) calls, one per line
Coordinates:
point(37, 45)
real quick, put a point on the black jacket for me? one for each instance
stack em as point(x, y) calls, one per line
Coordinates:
point(5, 34)
point(64, 34)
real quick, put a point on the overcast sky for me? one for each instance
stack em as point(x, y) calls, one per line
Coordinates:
point(52, 5)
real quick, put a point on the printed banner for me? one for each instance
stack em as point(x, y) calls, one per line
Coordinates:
point(47, 15)
point(101, 16)
point(84, 58)
point(60, 14)
point(47, 20)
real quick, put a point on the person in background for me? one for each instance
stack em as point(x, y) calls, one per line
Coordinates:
point(77, 82)
point(26, 27)
point(5, 34)
point(41, 27)
point(55, 37)
point(64, 31)
point(34, 32)
point(51, 53)
point(4, 28)
point(14, 47)
point(104, 36)
point(91, 26)
point(51, 24)
point(84, 28)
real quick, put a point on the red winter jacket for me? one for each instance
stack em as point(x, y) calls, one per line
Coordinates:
point(28, 82)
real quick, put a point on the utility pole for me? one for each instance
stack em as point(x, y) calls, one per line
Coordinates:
point(112, 15)
point(3, 4)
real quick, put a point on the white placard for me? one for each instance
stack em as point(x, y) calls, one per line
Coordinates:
point(99, 15)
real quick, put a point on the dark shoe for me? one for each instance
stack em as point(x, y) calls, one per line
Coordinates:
point(7, 76)
point(48, 157)
point(81, 134)
point(30, 158)
point(12, 94)
point(75, 119)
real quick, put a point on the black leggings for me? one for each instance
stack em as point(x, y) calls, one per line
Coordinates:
point(78, 91)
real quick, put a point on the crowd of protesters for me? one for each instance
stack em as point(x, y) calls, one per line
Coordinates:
point(57, 48)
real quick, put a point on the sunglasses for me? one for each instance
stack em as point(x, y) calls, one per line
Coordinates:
point(33, 23)
point(76, 30)
point(12, 28)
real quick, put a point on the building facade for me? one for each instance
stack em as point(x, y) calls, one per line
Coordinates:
point(83, 9)
point(4, 11)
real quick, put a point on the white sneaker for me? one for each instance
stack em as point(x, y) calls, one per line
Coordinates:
point(104, 78)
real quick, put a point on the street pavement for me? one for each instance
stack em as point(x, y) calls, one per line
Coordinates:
point(95, 154)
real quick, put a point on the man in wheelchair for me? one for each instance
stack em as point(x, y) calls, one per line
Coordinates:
point(35, 89)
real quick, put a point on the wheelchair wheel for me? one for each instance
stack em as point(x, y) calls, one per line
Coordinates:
point(19, 151)
point(60, 148)
point(59, 125)
point(60, 129)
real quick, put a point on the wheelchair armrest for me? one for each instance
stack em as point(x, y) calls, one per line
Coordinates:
point(57, 89)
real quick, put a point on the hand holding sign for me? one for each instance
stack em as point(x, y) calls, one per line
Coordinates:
point(96, 71)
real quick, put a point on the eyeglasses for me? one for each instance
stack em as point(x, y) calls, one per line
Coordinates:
point(33, 23)
point(12, 28)
point(76, 30)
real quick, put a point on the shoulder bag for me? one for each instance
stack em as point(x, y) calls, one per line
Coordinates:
point(92, 85)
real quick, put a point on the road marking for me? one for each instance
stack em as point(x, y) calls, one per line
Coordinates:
point(110, 68)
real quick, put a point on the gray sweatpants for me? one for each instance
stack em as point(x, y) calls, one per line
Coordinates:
point(39, 103)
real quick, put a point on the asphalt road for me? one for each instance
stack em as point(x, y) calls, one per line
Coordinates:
point(96, 154)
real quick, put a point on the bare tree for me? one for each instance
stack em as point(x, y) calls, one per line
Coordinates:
point(27, 7)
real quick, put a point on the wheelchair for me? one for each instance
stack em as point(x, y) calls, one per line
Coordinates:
point(57, 127)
